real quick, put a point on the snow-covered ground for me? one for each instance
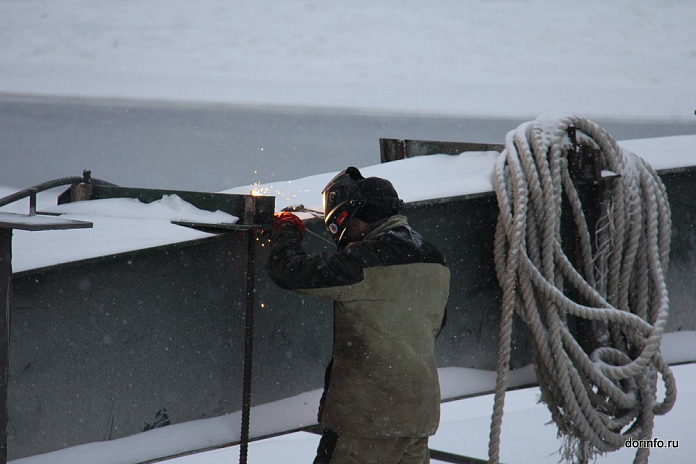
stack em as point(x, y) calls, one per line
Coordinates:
point(623, 59)
point(464, 426)
point(619, 59)
point(526, 435)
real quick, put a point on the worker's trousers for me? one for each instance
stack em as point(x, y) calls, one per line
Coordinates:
point(360, 450)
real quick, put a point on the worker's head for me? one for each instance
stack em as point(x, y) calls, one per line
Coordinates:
point(350, 196)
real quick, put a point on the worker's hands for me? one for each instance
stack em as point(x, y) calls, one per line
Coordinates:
point(280, 218)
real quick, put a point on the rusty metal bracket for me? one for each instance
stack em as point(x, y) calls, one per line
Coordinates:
point(585, 168)
point(398, 149)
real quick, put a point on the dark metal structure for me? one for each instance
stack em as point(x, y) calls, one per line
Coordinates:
point(255, 215)
point(9, 222)
point(120, 338)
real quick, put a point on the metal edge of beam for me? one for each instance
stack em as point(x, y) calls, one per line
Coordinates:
point(235, 204)
point(434, 454)
point(676, 171)
point(398, 149)
point(313, 429)
point(414, 204)
point(217, 228)
point(115, 256)
point(453, 458)
point(37, 223)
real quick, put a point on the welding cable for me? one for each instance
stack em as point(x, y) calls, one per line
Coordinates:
point(320, 237)
point(600, 400)
point(316, 214)
point(302, 209)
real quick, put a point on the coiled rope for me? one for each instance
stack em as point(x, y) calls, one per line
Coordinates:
point(597, 400)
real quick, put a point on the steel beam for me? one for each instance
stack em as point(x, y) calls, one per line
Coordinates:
point(8, 222)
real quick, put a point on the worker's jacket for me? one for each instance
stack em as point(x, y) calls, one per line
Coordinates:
point(390, 291)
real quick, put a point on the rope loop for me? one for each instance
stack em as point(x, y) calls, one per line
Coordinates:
point(604, 392)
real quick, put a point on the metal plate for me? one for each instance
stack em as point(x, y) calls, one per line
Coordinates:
point(36, 223)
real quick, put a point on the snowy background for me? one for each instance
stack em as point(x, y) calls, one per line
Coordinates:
point(623, 60)
point(619, 59)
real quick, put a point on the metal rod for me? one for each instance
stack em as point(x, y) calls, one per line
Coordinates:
point(6, 298)
point(248, 348)
point(454, 458)
point(49, 185)
point(320, 237)
point(32, 201)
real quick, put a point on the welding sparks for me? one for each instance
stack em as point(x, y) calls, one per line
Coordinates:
point(257, 190)
point(272, 190)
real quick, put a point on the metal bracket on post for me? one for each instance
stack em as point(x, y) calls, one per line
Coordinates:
point(586, 174)
point(582, 160)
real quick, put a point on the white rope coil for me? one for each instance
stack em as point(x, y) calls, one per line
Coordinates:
point(601, 399)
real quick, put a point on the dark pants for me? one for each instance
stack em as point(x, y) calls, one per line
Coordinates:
point(328, 437)
point(326, 446)
point(354, 450)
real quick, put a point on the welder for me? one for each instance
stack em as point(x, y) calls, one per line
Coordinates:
point(390, 287)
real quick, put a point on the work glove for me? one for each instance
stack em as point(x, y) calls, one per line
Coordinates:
point(280, 218)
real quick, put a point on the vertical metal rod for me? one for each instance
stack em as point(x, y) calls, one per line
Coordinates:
point(6, 298)
point(32, 201)
point(248, 348)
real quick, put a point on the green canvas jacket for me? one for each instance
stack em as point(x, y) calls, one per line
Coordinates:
point(390, 291)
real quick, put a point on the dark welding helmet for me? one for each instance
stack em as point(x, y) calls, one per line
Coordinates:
point(342, 200)
point(350, 195)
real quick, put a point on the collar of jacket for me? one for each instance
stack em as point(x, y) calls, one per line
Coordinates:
point(391, 223)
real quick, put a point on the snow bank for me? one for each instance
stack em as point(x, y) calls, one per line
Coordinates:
point(620, 59)
point(122, 225)
point(463, 428)
point(443, 176)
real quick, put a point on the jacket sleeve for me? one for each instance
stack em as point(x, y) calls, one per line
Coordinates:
point(291, 268)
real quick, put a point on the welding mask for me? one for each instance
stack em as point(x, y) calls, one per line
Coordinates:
point(350, 195)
